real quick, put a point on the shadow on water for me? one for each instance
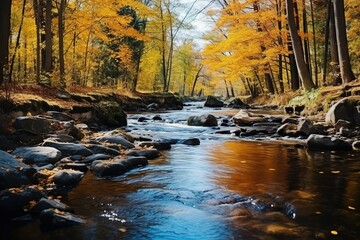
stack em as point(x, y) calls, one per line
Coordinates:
point(222, 189)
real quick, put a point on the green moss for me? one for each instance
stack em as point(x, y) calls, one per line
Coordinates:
point(110, 114)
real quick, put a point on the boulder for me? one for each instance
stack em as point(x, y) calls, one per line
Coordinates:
point(150, 154)
point(346, 109)
point(110, 114)
point(68, 149)
point(13, 173)
point(152, 106)
point(82, 167)
point(157, 118)
point(298, 109)
point(36, 125)
point(244, 118)
point(67, 177)
point(143, 119)
point(45, 203)
point(38, 155)
point(287, 129)
point(116, 140)
point(117, 167)
point(75, 133)
point(306, 128)
point(61, 138)
point(14, 200)
point(289, 110)
point(157, 145)
point(95, 157)
point(206, 120)
point(52, 218)
point(60, 116)
point(190, 141)
point(315, 141)
point(212, 101)
point(237, 103)
point(96, 149)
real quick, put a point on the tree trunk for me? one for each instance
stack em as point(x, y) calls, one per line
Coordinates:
point(334, 54)
point(327, 34)
point(279, 25)
point(296, 43)
point(342, 44)
point(314, 44)
point(48, 36)
point(306, 39)
point(5, 15)
point(195, 80)
point(38, 39)
point(17, 44)
point(61, 42)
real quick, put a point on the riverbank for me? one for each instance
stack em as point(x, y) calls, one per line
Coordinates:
point(50, 143)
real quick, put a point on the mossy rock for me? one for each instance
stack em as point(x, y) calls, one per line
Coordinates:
point(110, 114)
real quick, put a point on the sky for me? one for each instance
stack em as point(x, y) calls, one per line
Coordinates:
point(198, 19)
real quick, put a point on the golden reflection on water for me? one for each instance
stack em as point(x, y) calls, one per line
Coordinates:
point(252, 167)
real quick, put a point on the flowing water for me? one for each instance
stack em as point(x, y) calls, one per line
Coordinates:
point(225, 188)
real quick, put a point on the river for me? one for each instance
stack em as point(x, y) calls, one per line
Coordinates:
point(225, 188)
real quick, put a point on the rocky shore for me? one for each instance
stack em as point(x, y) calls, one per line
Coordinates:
point(45, 150)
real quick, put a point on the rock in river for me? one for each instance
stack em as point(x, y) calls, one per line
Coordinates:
point(52, 218)
point(38, 155)
point(67, 177)
point(117, 140)
point(13, 201)
point(212, 101)
point(315, 141)
point(148, 153)
point(245, 118)
point(117, 167)
point(206, 120)
point(13, 173)
point(157, 145)
point(45, 203)
point(68, 149)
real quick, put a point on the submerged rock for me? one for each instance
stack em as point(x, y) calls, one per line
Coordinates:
point(205, 120)
point(53, 218)
point(190, 141)
point(315, 141)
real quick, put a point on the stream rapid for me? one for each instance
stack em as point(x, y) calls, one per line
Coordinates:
point(224, 188)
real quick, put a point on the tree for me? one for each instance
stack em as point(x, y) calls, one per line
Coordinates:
point(298, 51)
point(342, 44)
point(5, 14)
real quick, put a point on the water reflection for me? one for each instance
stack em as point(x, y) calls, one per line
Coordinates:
point(219, 190)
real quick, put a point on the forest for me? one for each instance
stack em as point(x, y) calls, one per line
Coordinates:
point(255, 47)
